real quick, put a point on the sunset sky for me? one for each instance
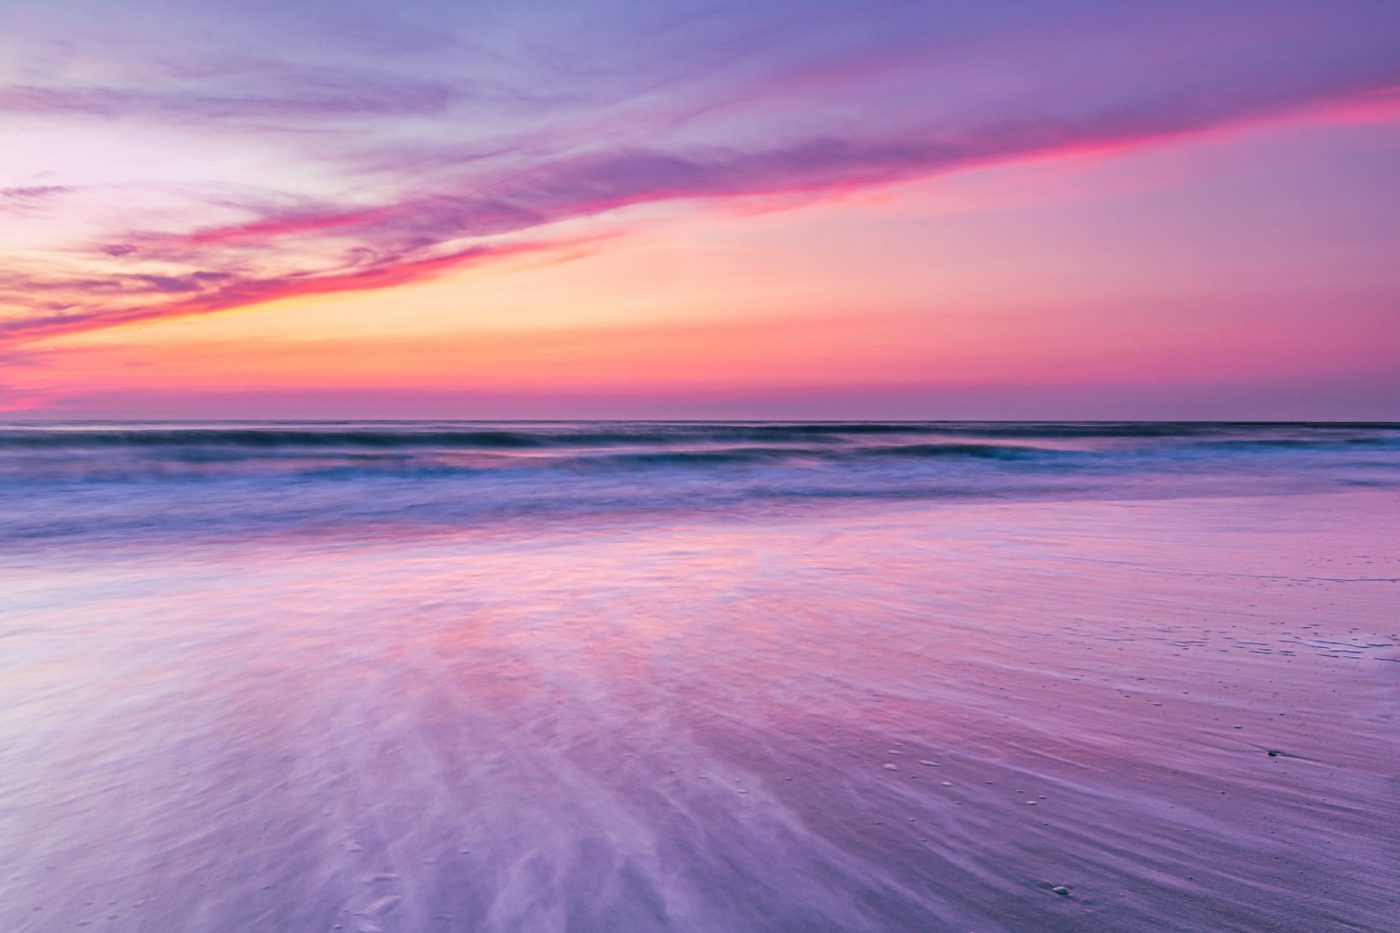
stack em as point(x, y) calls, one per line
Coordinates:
point(770, 208)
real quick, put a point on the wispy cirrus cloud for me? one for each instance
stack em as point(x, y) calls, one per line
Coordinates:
point(154, 297)
point(376, 98)
point(443, 140)
point(32, 193)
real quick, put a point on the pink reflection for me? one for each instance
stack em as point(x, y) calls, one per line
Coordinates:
point(866, 716)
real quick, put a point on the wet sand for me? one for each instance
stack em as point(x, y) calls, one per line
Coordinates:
point(1172, 714)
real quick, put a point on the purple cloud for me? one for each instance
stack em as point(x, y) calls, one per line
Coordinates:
point(32, 192)
point(402, 137)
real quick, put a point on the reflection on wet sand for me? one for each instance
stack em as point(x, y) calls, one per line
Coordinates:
point(1094, 715)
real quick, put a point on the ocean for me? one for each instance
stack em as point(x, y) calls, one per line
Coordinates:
point(699, 676)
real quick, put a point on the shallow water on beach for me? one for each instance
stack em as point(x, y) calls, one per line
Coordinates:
point(1154, 690)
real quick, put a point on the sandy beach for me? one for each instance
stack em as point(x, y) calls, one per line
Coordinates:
point(1172, 713)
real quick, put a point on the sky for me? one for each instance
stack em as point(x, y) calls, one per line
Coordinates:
point(761, 209)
